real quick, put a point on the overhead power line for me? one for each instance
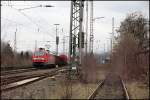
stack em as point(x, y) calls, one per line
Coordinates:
point(12, 21)
point(30, 20)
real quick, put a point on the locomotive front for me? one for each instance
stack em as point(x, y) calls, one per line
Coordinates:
point(40, 58)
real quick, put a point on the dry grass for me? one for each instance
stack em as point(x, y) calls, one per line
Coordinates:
point(102, 71)
point(89, 69)
point(55, 88)
point(82, 91)
point(137, 90)
point(44, 89)
point(49, 89)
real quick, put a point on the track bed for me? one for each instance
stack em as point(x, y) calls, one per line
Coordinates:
point(111, 88)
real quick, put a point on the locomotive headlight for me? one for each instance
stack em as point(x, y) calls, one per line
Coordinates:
point(34, 58)
point(38, 58)
point(42, 59)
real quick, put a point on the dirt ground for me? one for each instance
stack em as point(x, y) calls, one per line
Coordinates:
point(54, 88)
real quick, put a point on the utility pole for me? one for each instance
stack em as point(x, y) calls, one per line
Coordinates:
point(57, 39)
point(15, 41)
point(86, 27)
point(86, 38)
point(80, 31)
point(36, 41)
point(104, 52)
point(63, 42)
point(112, 41)
point(107, 46)
point(91, 29)
point(104, 48)
point(35, 45)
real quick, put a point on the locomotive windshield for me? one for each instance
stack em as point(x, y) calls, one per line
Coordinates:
point(39, 53)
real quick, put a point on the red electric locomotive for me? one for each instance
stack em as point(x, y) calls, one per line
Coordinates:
point(42, 57)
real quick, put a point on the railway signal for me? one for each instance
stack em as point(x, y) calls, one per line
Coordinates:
point(82, 40)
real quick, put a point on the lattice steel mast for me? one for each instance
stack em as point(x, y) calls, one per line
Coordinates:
point(76, 20)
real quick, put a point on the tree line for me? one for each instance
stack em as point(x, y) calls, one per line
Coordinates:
point(130, 55)
point(11, 58)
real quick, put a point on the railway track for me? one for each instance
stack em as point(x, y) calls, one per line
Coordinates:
point(17, 81)
point(112, 87)
point(17, 71)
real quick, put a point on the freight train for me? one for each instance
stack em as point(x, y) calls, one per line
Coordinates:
point(42, 57)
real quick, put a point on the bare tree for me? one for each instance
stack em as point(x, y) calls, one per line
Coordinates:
point(11, 58)
point(133, 41)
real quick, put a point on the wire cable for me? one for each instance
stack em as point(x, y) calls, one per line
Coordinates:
point(29, 19)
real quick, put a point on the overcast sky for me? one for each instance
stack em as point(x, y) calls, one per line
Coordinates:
point(38, 23)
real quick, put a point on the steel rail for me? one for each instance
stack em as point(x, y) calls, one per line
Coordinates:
point(96, 90)
point(15, 67)
point(3, 73)
point(53, 73)
point(7, 79)
point(125, 90)
point(102, 83)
